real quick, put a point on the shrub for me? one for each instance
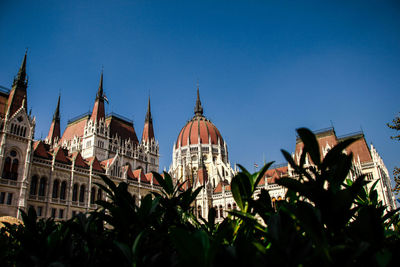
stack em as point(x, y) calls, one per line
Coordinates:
point(324, 220)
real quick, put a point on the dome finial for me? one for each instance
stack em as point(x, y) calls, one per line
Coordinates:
point(198, 109)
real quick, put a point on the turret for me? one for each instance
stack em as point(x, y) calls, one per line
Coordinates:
point(54, 132)
point(198, 109)
point(18, 91)
point(98, 108)
point(148, 131)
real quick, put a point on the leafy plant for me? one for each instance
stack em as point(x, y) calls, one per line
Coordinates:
point(325, 219)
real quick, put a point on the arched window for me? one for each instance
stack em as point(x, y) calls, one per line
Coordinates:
point(75, 192)
point(63, 190)
point(82, 193)
point(134, 198)
point(93, 195)
point(7, 167)
point(14, 170)
point(99, 194)
point(234, 206)
point(33, 190)
point(273, 202)
point(199, 211)
point(229, 206)
point(221, 211)
point(42, 187)
point(56, 184)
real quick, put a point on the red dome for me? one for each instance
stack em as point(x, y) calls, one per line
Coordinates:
point(199, 126)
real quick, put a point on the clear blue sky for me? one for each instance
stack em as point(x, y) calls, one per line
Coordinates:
point(265, 68)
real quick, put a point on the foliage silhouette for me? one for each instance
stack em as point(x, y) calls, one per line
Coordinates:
point(325, 219)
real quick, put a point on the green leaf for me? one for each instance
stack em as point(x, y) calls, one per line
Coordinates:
point(333, 154)
point(310, 144)
point(261, 174)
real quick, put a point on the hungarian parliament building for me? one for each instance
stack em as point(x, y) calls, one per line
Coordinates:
point(57, 176)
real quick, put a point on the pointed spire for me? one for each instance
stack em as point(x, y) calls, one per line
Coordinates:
point(20, 79)
point(17, 96)
point(148, 131)
point(100, 90)
point(54, 131)
point(98, 108)
point(148, 114)
point(198, 109)
point(56, 116)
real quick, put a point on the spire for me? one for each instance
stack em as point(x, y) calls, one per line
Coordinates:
point(17, 96)
point(100, 90)
point(56, 115)
point(54, 131)
point(148, 131)
point(98, 108)
point(202, 174)
point(148, 114)
point(20, 80)
point(198, 109)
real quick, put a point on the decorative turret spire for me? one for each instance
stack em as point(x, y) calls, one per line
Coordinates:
point(148, 114)
point(148, 131)
point(100, 90)
point(54, 131)
point(56, 116)
point(20, 80)
point(98, 108)
point(202, 174)
point(198, 109)
point(17, 96)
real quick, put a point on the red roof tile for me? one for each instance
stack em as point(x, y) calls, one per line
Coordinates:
point(139, 174)
point(61, 155)
point(79, 161)
point(121, 128)
point(95, 164)
point(41, 150)
point(199, 127)
point(75, 128)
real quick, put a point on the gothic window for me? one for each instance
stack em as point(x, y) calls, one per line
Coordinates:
point(273, 202)
point(369, 176)
point(61, 214)
point(229, 207)
point(56, 184)
point(199, 211)
point(53, 212)
point(14, 170)
point(9, 198)
point(234, 206)
point(42, 187)
point(33, 189)
point(6, 169)
point(93, 195)
point(82, 194)
point(10, 170)
point(99, 194)
point(221, 211)
point(75, 192)
point(63, 190)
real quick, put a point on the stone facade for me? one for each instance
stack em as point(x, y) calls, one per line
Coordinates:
point(58, 175)
point(200, 158)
